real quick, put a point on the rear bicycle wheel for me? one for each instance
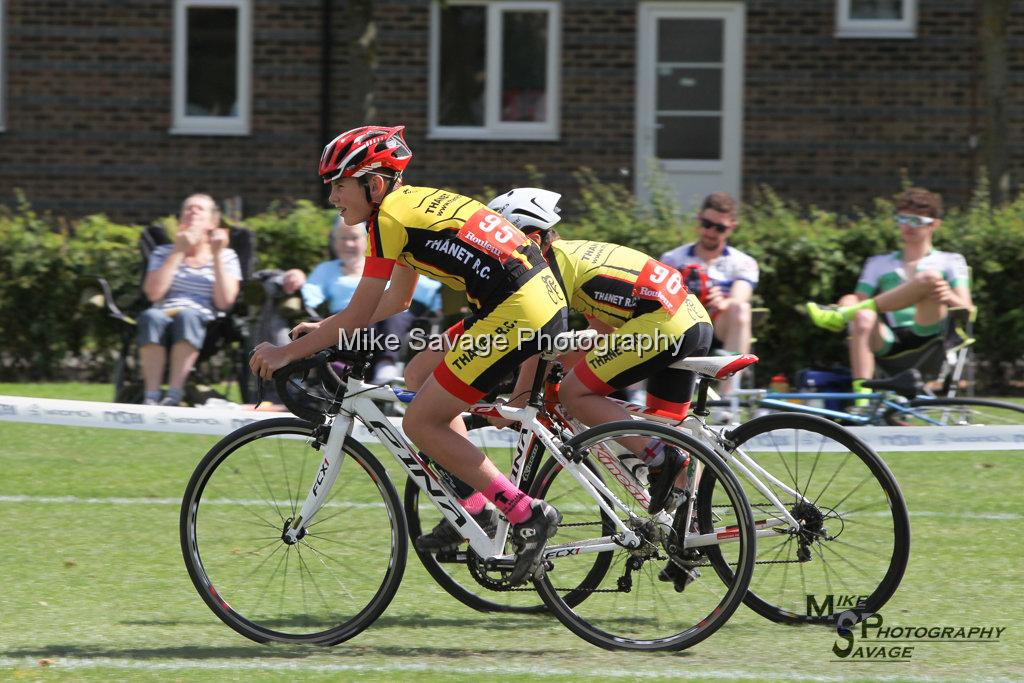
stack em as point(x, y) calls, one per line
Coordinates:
point(324, 589)
point(956, 412)
point(854, 541)
point(630, 606)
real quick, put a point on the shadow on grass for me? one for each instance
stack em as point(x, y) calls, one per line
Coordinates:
point(473, 621)
point(473, 648)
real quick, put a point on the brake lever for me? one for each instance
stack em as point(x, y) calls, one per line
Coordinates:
point(259, 385)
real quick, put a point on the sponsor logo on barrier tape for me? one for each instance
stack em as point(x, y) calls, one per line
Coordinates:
point(8, 409)
point(35, 411)
point(901, 440)
point(164, 418)
point(125, 417)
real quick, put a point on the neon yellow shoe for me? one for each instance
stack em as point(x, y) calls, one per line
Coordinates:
point(859, 388)
point(826, 317)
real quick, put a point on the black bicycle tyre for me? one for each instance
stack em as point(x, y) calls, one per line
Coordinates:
point(467, 597)
point(893, 416)
point(745, 528)
point(901, 517)
point(192, 557)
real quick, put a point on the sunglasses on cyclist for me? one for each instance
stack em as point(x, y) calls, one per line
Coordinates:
point(911, 220)
point(708, 225)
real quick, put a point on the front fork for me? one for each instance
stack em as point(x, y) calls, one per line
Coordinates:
point(327, 472)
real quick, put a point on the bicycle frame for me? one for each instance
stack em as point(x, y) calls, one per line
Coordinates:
point(879, 403)
point(743, 462)
point(358, 403)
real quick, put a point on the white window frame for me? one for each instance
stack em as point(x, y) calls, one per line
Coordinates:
point(876, 28)
point(3, 66)
point(494, 127)
point(182, 123)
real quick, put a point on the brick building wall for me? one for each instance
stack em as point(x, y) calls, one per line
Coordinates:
point(835, 121)
point(597, 102)
point(89, 108)
point(826, 120)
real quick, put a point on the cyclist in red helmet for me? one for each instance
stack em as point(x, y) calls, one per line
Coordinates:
point(515, 298)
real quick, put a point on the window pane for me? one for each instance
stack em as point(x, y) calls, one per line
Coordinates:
point(689, 137)
point(524, 66)
point(690, 40)
point(212, 86)
point(876, 9)
point(463, 66)
point(683, 89)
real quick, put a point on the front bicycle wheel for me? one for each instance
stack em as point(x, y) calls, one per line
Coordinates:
point(853, 543)
point(324, 589)
point(955, 412)
point(636, 604)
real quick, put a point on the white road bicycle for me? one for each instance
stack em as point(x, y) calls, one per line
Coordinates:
point(292, 530)
point(833, 527)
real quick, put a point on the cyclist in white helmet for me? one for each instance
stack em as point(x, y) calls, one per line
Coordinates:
point(624, 294)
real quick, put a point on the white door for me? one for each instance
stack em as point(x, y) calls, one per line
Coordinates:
point(689, 113)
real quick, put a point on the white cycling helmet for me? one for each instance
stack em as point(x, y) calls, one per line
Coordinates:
point(528, 208)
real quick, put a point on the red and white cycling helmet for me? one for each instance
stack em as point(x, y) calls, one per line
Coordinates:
point(363, 150)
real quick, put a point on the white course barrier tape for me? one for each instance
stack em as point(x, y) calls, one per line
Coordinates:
point(220, 421)
point(213, 421)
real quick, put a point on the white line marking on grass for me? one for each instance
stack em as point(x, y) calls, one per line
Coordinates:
point(75, 500)
point(670, 670)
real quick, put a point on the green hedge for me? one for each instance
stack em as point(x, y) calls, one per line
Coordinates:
point(808, 254)
point(804, 254)
point(48, 268)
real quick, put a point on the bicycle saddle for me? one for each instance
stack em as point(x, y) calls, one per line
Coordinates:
point(907, 383)
point(715, 367)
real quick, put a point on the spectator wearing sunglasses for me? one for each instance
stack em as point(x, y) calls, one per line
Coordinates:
point(901, 298)
point(731, 274)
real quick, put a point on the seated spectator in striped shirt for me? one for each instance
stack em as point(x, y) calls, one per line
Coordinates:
point(189, 283)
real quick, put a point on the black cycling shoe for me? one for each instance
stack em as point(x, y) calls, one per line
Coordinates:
point(529, 538)
point(661, 478)
point(679, 576)
point(444, 536)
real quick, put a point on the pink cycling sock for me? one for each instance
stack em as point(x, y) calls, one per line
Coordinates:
point(512, 502)
point(475, 504)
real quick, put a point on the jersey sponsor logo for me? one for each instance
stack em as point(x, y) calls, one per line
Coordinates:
point(451, 248)
point(492, 234)
point(441, 203)
point(617, 300)
point(552, 288)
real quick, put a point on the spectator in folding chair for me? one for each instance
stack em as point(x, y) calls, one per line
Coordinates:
point(902, 298)
point(722, 276)
point(189, 283)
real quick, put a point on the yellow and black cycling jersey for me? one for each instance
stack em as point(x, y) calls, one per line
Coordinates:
point(613, 283)
point(453, 239)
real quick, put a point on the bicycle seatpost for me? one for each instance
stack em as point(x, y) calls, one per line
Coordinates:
point(537, 390)
point(701, 408)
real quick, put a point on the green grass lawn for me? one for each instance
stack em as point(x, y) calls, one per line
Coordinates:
point(94, 586)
